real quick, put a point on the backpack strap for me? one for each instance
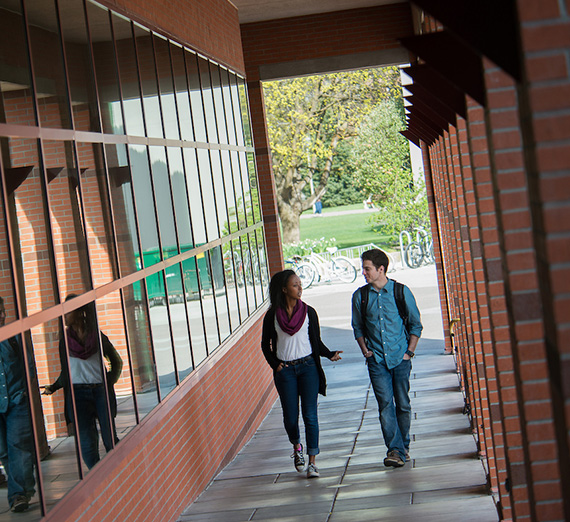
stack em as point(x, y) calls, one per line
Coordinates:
point(401, 303)
point(364, 290)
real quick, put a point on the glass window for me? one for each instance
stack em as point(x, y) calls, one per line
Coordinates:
point(240, 212)
point(220, 294)
point(79, 68)
point(25, 186)
point(143, 369)
point(17, 104)
point(196, 100)
point(144, 204)
point(222, 131)
point(161, 184)
point(236, 109)
point(177, 54)
point(263, 265)
point(97, 214)
point(256, 268)
point(253, 187)
point(166, 87)
point(208, 307)
point(147, 73)
point(228, 109)
point(244, 160)
point(120, 187)
point(49, 69)
point(205, 82)
point(208, 196)
point(244, 105)
point(128, 74)
point(180, 198)
point(219, 191)
point(194, 192)
point(231, 285)
point(193, 288)
point(105, 69)
point(230, 199)
point(248, 272)
point(67, 219)
point(179, 321)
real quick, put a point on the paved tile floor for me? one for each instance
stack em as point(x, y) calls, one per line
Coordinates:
point(444, 481)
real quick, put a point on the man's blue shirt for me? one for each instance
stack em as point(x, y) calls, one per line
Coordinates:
point(386, 334)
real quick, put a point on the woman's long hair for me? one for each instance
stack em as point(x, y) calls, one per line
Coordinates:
point(276, 285)
point(88, 314)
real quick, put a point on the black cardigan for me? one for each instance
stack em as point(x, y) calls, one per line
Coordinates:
point(269, 344)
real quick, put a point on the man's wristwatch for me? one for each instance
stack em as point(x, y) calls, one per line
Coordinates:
point(410, 354)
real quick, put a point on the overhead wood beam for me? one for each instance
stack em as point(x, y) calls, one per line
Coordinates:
point(490, 27)
point(438, 86)
point(434, 102)
point(415, 114)
point(409, 135)
point(451, 58)
point(427, 111)
point(416, 126)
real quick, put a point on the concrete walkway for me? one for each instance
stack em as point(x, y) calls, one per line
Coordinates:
point(444, 481)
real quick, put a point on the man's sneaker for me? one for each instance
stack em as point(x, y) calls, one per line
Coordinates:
point(299, 459)
point(21, 503)
point(394, 460)
point(312, 471)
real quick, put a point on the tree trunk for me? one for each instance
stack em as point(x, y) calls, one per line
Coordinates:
point(290, 219)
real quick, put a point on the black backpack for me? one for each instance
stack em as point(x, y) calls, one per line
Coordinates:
point(400, 303)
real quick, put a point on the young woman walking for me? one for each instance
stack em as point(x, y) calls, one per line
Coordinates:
point(291, 343)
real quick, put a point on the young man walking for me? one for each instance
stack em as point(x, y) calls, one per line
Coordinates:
point(387, 327)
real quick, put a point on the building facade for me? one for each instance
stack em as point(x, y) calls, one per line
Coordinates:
point(136, 175)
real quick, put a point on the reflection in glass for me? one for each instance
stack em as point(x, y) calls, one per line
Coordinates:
point(25, 187)
point(208, 98)
point(244, 112)
point(49, 71)
point(240, 211)
point(263, 265)
point(6, 281)
point(97, 213)
point(139, 338)
point(105, 69)
point(166, 87)
point(16, 96)
point(208, 307)
point(228, 110)
point(179, 321)
point(144, 204)
point(67, 223)
point(177, 54)
point(79, 69)
point(122, 404)
point(161, 184)
point(230, 199)
point(256, 268)
point(244, 176)
point(222, 311)
point(59, 421)
point(194, 192)
point(231, 285)
point(208, 198)
point(217, 94)
point(194, 310)
point(160, 328)
point(236, 109)
point(248, 272)
point(196, 100)
point(120, 187)
point(253, 191)
point(147, 72)
point(219, 191)
point(124, 45)
point(180, 198)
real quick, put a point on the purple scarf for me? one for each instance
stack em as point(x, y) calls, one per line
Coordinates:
point(293, 325)
point(79, 349)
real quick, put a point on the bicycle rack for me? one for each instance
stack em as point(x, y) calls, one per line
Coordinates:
point(406, 234)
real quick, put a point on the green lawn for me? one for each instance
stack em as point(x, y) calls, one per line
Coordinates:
point(348, 229)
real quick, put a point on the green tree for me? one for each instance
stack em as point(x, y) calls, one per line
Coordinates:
point(381, 158)
point(307, 120)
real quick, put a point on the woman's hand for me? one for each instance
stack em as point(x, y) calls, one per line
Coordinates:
point(336, 356)
point(280, 367)
point(368, 353)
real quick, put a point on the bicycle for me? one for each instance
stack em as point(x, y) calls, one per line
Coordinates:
point(339, 267)
point(304, 271)
point(421, 250)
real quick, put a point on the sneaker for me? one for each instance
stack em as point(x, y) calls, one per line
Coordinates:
point(299, 459)
point(21, 503)
point(393, 459)
point(312, 471)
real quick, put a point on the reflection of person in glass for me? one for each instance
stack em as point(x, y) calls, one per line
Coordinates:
point(16, 436)
point(87, 378)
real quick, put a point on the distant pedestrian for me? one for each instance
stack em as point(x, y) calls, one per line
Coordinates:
point(387, 328)
point(318, 207)
point(291, 343)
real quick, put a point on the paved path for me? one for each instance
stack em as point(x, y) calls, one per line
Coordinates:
point(443, 482)
point(308, 215)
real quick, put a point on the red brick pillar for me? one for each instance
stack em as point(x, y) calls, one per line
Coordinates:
point(266, 181)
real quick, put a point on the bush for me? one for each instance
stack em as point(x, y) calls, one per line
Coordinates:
point(307, 246)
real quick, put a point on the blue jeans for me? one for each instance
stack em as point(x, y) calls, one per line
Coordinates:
point(294, 381)
point(392, 388)
point(17, 450)
point(91, 405)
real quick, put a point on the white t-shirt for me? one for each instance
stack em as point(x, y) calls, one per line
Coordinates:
point(86, 371)
point(296, 346)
